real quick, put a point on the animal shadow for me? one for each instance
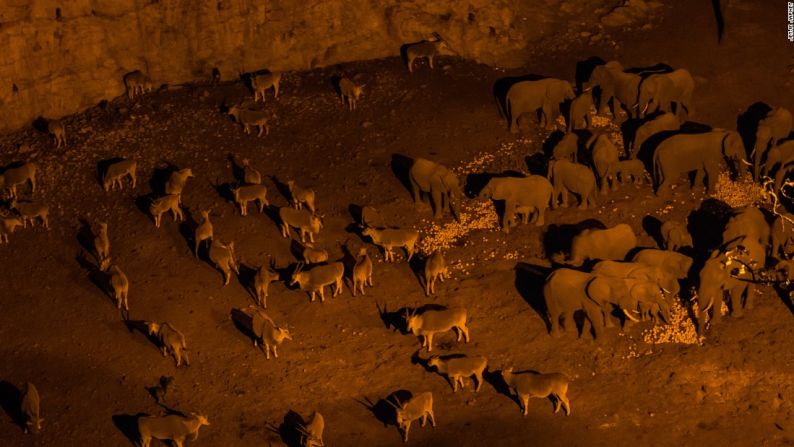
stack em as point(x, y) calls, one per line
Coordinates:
point(502, 86)
point(529, 283)
point(159, 178)
point(392, 319)
point(384, 409)
point(401, 167)
point(747, 123)
point(247, 279)
point(224, 190)
point(85, 237)
point(41, 124)
point(244, 323)
point(289, 429)
point(127, 424)
point(707, 223)
point(494, 378)
point(237, 169)
point(102, 168)
point(558, 237)
point(11, 402)
point(551, 142)
point(653, 226)
point(584, 69)
point(143, 202)
point(187, 229)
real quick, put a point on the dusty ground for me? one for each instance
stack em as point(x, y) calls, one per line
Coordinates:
point(60, 331)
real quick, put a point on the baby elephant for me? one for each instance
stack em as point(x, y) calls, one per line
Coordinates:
point(580, 111)
point(634, 169)
point(538, 385)
point(675, 235)
point(171, 340)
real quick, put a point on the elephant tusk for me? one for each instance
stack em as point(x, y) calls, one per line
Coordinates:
point(644, 109)
point(665, 290)
point(628, 315)
point(745, 162)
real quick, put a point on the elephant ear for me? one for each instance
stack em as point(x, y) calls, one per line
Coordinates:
point(450, 181)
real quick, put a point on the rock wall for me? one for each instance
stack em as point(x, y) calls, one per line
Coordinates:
point(62, 56)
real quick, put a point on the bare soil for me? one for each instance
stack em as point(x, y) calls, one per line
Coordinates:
point(62, 332)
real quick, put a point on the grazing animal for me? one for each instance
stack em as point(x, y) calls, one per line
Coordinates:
point(350, 92)
point(171, 340)
point(7, 226)
point(675, 235)
point(420, 406)
point(371, 217)
point(250, 193)
point(300, 196)
point(460, 367)
point(222, 255)
point(633, 168)
point(250, 118)
point(312, 431)
point(362, 271)
point(57, 129)
point(116, 172)
point(268, 334)
point(388, 238)
point(168, 202)
point(264, 276)
point(313, 255)
point(432, 321)
point(427, 49)
point(538, 385)
point(567, 176)
point(435, 268)
point(137, 84)
point(31, 408)
point(306, 223)
point(176, 182)
point(262, 82)
point(250, 175)
point(30, 211)
point(314, 280)
point(204, 232)
point(173, 427)
point(18, 176)
point(102, 243)
point(121, 287)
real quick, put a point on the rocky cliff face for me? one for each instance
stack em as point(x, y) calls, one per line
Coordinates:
point(61, 56)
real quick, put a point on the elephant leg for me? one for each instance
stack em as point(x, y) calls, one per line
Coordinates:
point(509, 215)
point(748, 301)
point(711, 178)
point(547, 119)
point(436, 195)
point(540, 215)
point(415, 191)
point(564, 193)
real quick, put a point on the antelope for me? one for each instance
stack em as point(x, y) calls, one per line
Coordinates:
point(307, 224)
point(137, 84)
point(102, 243)
point(299, 196)
point(435, 268)
point(30, 408)
point(30, 211)
point(270, 335)
point(250, 175)
point(420, 406)
point(58, 132)
point(388, 238)
point(314, 280)
point(173, 427)
point(171, 340)
point(362, 271)
point(204, 232)
point(538, 385)
point(348, 90)
point(427, 324)
point(116, 172)
point(427, 49)
point(457, 368)
point(312, 431)
point(168, 202)
point(223, 257)
point(264, 276)
point(176, 182)
point(250, 193)
point(313, 255)
point(121, 287)
point(18, 176)
point(250, 118)
point(7, 226)
point(262, 82)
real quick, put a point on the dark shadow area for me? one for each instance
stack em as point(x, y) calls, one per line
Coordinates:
point(160, 391)
point(558, 237)
point(502, 86)
point(356, 213)
point(289, 429)
point(401, 167)
point(653, 226)
point(187, 229)
point(584, 69)
point(384, 409)
point(282, 188)
point(127, 424)
point(706, 225)
point(41, 124)
point(529, 283)
point(747, 123)
point(85, 237)
point(718, 17)
point(494, 378)
point(102, 168)
point(334, 81)
point(11, 402)
point(247, 278)
point(394, 320)
point(537, 164)
point(650, 70)
point(159, 178)
point(551, 142)
point(243, 322)
point(237, 169)
point(224, 190)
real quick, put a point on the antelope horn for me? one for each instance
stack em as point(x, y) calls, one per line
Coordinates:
point(628, 315)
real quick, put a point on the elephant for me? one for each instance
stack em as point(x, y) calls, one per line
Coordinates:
point(659, 91)
point(636, 270)
point(632, 169)
point(782, 235)
point(566, 176)
point(781, 154)
point(701, 152)
point(674, 263)
point(663, 122)
point(648, 300)
point(529, 96)
point(580, 111)
point(615, 85)
point(775, 127)
point(747, 221)
point(611, 243)
point(567, 291)
point(605, 160)
point(567, 148)
point(675, 235)
point(441, 183)
point(533, 191)
point(713, 278)
point(751, 259)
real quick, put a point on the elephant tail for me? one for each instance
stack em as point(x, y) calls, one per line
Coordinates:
point(508, 111)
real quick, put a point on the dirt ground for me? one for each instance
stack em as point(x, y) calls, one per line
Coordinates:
point(61, 331)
